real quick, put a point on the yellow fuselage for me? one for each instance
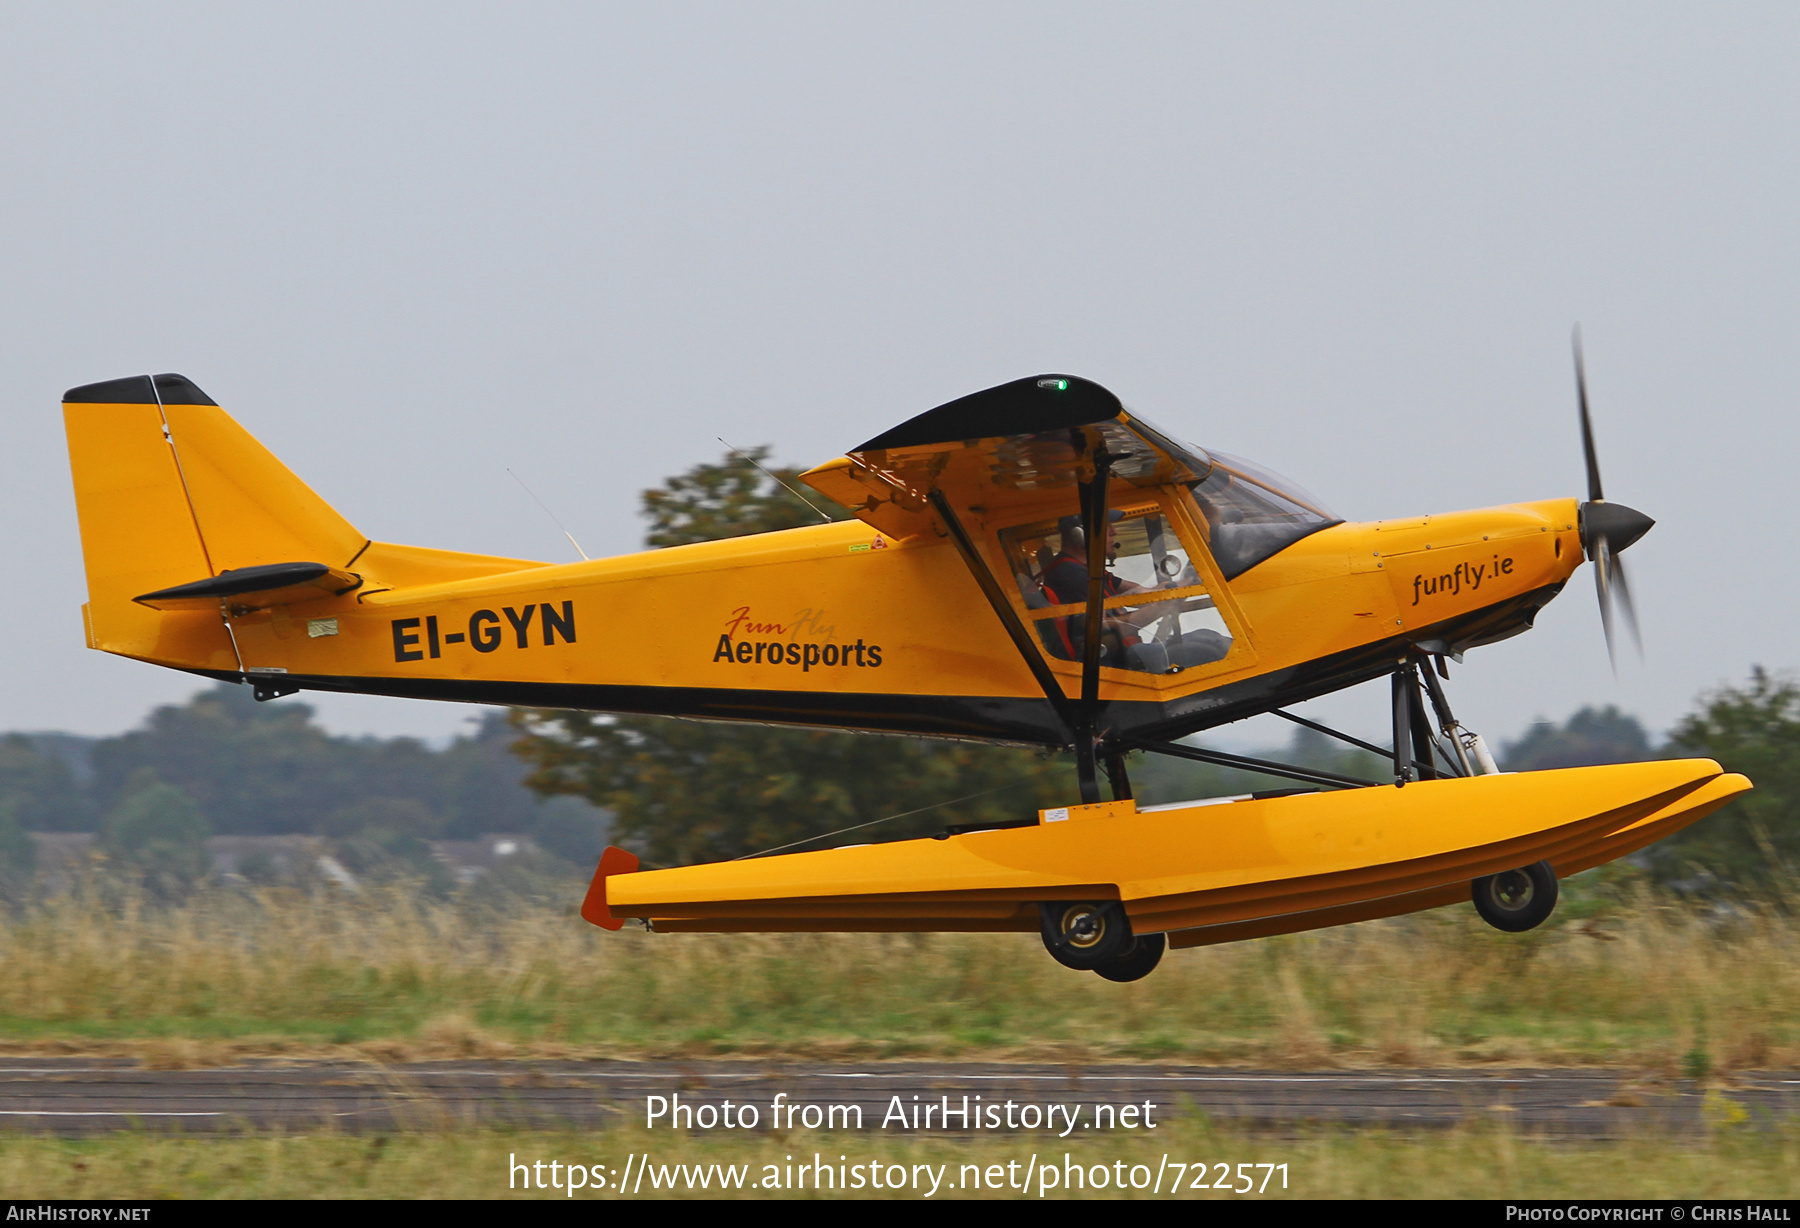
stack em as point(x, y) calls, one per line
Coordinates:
point(840, 625)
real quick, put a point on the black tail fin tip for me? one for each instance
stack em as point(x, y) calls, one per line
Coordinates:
point(169, 389)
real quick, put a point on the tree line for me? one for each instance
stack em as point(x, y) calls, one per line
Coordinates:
point(222, 764)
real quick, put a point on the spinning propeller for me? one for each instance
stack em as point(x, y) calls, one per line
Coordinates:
point(1606, 529)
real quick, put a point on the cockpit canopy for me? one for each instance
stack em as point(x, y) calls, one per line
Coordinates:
point(1034, 435)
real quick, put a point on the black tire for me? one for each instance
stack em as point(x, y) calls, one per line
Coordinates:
point(1082, 934)
point(1516, 900)
point(1137, 963)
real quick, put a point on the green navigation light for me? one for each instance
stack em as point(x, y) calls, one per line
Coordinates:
point(1061, 385)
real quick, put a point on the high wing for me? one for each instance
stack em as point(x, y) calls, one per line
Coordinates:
point(1020, 439)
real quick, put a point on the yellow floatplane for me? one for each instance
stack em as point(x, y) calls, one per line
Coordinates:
point(1032, 564)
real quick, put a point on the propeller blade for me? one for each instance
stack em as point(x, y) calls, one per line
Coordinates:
point(1603, 574)
point(1587, 424)
point(1623, 591)
point(1606, 528)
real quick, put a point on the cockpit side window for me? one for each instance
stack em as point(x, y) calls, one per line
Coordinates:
point(1158, 615)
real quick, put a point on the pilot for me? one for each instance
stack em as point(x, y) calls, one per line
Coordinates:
point(1066, 575)
point(1065, 581)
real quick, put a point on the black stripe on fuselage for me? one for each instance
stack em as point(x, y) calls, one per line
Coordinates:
point(979, 717)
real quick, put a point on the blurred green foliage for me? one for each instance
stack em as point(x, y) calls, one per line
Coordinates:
point(251, 769)
point(1591, 736)
point(734, 498)
point(157, 830)
point(39, 790)
point(18, 852)
point(682, 791)
point(266, 769)
point(1754, 842)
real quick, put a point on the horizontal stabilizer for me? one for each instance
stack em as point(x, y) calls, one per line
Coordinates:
point(269, 584)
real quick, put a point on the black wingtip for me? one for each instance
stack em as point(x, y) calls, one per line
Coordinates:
point(1024, 406)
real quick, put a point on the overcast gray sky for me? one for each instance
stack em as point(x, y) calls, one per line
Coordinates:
point(411, 245)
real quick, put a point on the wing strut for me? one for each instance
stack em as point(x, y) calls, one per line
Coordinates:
point(1341, 736)
point(1327, 730)
point(1094, 526)
point(990, 588)
point(1082, 717)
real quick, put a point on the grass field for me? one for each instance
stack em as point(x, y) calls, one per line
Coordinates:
point(1478, 1162)
point(1620, 977)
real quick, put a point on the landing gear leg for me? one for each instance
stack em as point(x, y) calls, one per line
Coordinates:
point(1462, 742)
point(1114, 759)
point(1467, 754)
point(1087, 775)
point(1423, 760)
point(1404, 698)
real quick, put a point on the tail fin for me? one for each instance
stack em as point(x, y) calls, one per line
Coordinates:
point(171, 491)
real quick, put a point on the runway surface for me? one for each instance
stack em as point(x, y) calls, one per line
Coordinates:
point(68, 1096)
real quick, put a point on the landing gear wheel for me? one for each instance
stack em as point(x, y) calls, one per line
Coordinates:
point(1136, 963)
point(1083, 934)
point(1516, 900)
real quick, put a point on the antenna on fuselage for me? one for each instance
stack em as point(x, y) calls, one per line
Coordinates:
point(552, 515)
point(774, 479)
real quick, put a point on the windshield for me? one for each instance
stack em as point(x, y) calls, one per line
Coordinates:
point(1253, 513)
